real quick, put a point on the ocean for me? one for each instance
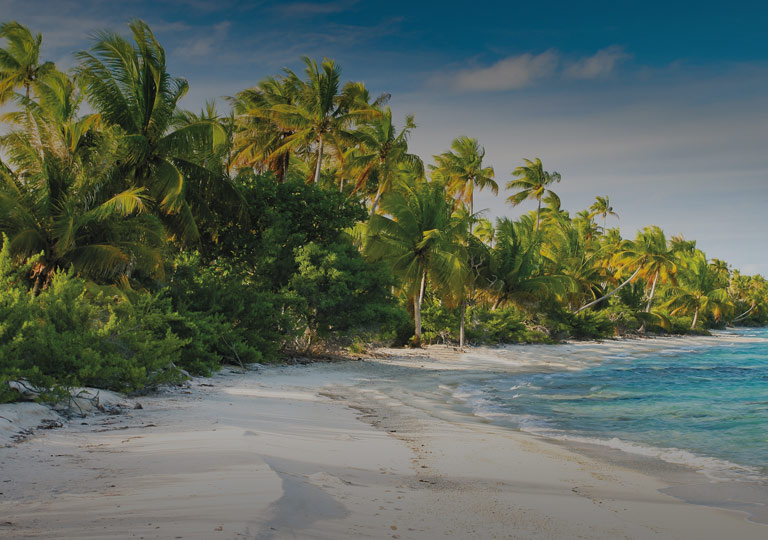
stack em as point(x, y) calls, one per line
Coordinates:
point(701, 402)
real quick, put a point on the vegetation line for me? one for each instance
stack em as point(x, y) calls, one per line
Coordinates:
point(142, 241)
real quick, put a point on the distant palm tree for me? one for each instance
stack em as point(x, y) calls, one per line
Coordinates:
point(654, 256)
point(129, 85)
point(681, 246)
point(552, 211)
point(380, 154)
point(532, 181)
point(20, 60)
point(602, 207)
point(421, 239)
point(462, 170)
point(698, 291)
point(485, 231)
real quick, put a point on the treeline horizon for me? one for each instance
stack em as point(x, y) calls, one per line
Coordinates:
point(143, 240)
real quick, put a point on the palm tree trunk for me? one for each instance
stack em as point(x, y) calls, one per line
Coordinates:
point(614, 291)
point(285, 163)
point(471, 212)
point(319, 160)
point(417, 299)
point(754, 305)
point(653, 291)
point(461, 325)
point(695, 318)
point(375, 202)
point(36, 286)
point(538, 214)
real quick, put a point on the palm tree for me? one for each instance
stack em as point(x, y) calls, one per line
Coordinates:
point(602, 207)
point(20, 60)
point(650, 252)
point(532, 181)
point(260, 137)
point(698, 291)
point(515, 272)
point(322, 113)
point(485, 231)
point(381, 153)
point(130, 87)
point(462, 170)
point(649, 256)
point(750, 291)
point(552, 211)
point(57, 196)
point(681, 246)
point(585, 224)
point(421, 239)
point(568, 252)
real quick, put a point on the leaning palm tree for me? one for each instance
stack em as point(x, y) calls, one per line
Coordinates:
point(421, 239)
point(461, 168)
point(130, 87)
point(654, 256)
point(532, 181)
point(698, 292)
point(602, 207)
point(20, 60)
point(648, 256)
point(380, 154)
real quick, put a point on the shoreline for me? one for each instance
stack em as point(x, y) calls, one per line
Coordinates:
point(279, 453)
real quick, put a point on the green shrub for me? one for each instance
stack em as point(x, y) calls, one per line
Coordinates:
point(65, 337)
point(225, 318)
point(336, 292)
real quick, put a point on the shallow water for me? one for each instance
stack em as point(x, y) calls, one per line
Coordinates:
point(701, 403)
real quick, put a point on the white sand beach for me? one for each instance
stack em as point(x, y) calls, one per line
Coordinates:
point(322, 451)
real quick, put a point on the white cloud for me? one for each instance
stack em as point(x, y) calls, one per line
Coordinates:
point(507, 74)
point(600, 64)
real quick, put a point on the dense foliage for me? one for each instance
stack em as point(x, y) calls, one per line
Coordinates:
point(141, 239)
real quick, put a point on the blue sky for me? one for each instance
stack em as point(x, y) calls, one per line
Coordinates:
point(663, 106)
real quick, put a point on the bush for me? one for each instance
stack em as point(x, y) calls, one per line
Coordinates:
point(224, 318)
point(65, 337)
point(336, 292)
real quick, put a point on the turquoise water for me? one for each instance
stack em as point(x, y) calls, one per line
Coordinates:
point(702, 405)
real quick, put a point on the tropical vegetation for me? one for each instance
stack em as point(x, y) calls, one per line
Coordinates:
point(141, 241)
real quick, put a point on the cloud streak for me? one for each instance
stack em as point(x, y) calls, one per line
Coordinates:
point(600, 64)
point(509, 73)
point(204, 45)
point(524, 70)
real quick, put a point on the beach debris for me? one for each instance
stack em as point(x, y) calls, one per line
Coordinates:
point(85, 401)
point(27, 391)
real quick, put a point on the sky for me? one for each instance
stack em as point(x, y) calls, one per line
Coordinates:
point(662, 106)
